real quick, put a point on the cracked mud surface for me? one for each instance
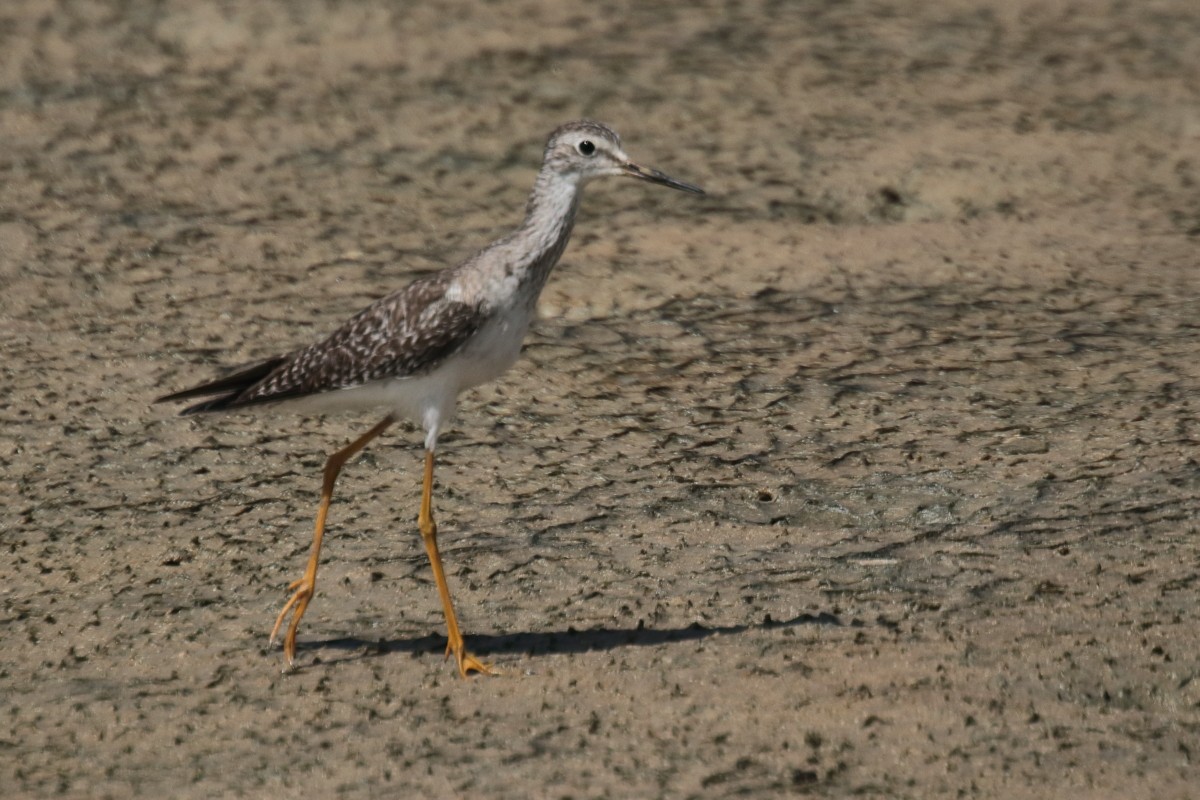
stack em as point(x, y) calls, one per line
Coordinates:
point(874, 473)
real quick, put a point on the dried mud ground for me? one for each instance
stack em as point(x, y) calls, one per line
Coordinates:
point(873, 473)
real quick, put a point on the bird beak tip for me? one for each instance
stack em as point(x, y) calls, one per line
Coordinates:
point(654, 176)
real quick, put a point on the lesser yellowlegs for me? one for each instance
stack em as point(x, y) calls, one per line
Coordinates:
point(412, 352)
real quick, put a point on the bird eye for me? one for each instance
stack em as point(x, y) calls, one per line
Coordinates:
point(586, 147)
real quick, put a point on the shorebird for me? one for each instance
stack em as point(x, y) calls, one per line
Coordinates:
point(411, 353)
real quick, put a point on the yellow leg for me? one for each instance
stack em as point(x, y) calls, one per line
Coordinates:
point(307, 584)
point(466, 662)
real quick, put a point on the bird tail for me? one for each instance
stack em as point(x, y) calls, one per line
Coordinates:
point(224, 392)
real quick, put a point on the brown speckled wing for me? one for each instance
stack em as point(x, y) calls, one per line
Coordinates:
point(407, 333)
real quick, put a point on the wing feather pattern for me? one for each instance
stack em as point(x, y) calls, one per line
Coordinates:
point(405, 334)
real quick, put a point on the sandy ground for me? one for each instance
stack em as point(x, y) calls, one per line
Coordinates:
point(872, 474)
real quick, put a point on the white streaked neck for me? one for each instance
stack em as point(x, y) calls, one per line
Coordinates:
point(549, 218)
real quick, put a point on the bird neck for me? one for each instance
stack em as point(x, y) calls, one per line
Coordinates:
point(549, 218)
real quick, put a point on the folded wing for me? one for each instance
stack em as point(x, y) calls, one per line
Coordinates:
point(405, 334)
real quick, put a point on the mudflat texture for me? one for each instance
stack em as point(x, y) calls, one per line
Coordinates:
point(873, 473)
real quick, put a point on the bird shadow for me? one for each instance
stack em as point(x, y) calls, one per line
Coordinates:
point(551, 642)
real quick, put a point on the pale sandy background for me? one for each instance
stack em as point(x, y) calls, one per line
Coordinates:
point(872, 474)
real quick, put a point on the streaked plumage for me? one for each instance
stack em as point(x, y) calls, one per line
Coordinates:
point(406, 334)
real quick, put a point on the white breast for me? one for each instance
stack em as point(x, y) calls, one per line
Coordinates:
point(492, 350)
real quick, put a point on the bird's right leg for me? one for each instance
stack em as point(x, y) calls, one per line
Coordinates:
point(304, 586)
point(455, 646)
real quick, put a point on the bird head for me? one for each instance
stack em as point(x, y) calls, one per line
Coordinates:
point(585, 150)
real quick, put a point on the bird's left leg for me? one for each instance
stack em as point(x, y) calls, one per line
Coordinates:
point(305, 585)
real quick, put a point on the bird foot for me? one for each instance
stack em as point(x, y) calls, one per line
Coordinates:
point(467, 663)
point(296, 606)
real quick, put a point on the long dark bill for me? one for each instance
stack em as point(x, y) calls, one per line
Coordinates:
point(654, 176)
